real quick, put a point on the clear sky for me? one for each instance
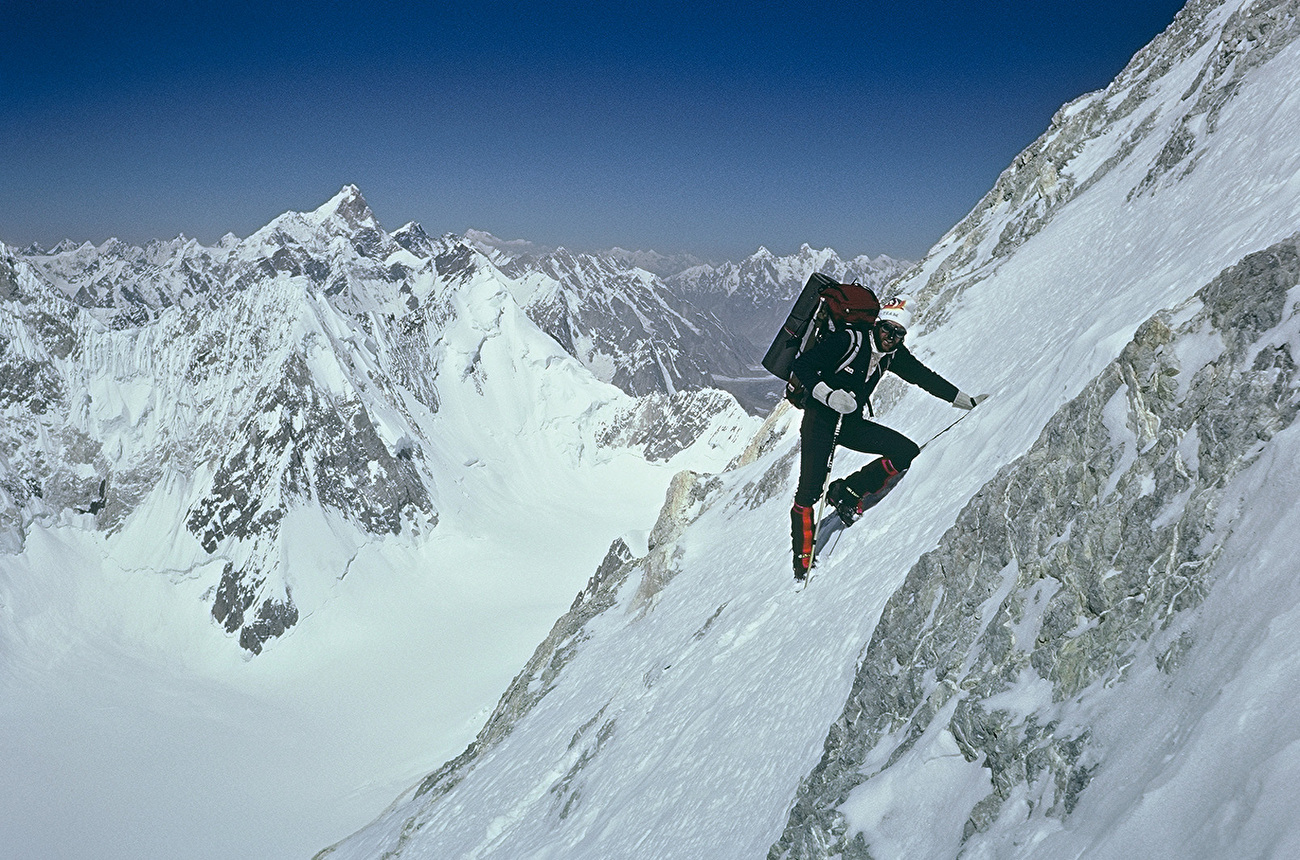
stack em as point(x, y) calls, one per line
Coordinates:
point(704, 127)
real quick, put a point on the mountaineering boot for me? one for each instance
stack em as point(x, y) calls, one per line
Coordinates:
point(844, 500)
point(863, 489)
point(801, 536)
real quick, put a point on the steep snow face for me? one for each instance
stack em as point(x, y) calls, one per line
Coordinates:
point(1163, 115)
point(1090, 581)
point(1065, 633)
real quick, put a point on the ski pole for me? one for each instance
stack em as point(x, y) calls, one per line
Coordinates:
point(826, 482)
point(946, 429)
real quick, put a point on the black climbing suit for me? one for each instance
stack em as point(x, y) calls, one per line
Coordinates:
point(842, 359)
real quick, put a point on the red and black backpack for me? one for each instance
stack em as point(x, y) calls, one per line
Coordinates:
point(823, 303)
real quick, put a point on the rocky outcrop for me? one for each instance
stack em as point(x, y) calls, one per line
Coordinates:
point(1078, 560)
point(662, 426)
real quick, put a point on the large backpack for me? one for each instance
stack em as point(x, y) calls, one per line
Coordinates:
point(823, 303)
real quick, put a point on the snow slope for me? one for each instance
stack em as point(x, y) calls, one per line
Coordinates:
point(1069, 632)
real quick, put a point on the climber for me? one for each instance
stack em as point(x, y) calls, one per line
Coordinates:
point(841, 370)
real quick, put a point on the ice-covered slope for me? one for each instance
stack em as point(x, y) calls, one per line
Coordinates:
point(1069, 632)
point(336, 488)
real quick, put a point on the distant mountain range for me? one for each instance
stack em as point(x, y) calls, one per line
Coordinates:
point(722, 316)
point(224, 389)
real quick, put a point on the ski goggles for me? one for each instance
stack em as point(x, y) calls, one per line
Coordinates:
point(890, 330)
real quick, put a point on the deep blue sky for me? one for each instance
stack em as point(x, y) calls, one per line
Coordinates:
point(709, 128)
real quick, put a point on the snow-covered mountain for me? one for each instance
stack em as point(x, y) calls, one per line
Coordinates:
point(753, 296)
point(1070, 632)
point(321, 450)
point(223, 389)
point(624, 323)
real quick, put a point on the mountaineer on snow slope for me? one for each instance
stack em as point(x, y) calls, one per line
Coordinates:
point(840, 371)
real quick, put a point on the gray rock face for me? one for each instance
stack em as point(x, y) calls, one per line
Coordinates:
point(47, 464)
point(1078, 560)
point(663, 426)
point(299, 448)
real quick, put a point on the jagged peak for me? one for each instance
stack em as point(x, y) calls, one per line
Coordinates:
point(412, 228)
point(66, 245)
point(350, 206)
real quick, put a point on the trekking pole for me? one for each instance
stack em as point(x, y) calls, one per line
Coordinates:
point(821, 506)
point(946, 429)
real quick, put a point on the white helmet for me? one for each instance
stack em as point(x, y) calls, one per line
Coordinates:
point(896, 311)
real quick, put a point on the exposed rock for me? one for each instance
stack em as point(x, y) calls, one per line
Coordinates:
point(1073, 563)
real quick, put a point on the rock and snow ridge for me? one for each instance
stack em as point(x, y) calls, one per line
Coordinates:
point(222, 388)
point(1070, 632)
point(275, 477)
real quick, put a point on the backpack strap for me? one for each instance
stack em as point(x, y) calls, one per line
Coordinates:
point(856, 343)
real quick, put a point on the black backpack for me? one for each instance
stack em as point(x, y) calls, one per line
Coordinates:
point(822, 302)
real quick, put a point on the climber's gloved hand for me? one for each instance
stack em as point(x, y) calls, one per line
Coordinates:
point(838, 399)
